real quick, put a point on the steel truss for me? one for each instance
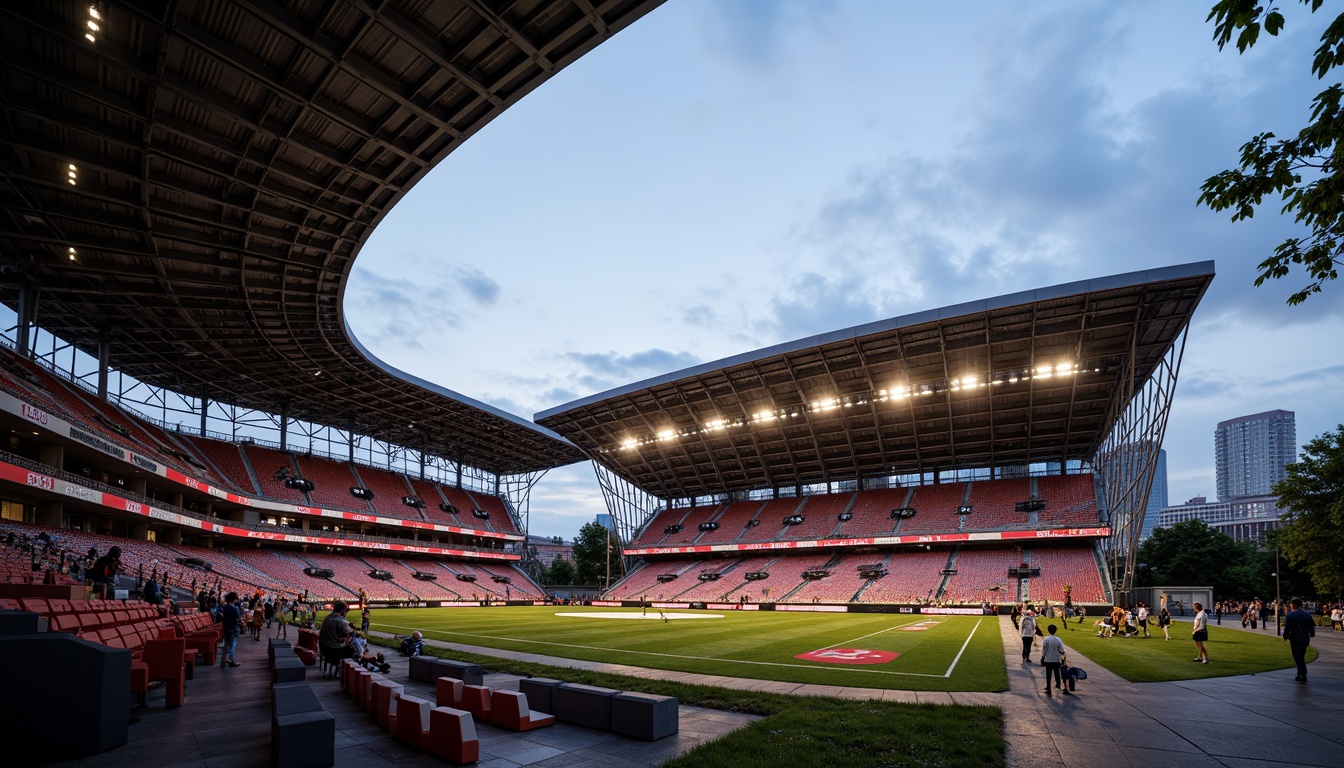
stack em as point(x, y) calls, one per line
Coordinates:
point(1127, 458)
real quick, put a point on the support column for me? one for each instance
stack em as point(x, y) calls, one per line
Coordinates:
point(27, 311)
point(205, 408)
point(176, 500)
point(138, 486)
point(171, 537)
point(422, 464)
point(52, 455)
point(350, 438)
point(284, 426)
point(138, 531)
point(104, 352)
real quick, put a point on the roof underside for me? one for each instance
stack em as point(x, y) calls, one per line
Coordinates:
point(231, 158)
point(961, 387)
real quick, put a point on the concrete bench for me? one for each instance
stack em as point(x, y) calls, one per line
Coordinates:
point(427, 669)
point(288, 668)
point(644, 716)
point(585, 705)
point(274, 646)
point(540, 693)
point(303, 733)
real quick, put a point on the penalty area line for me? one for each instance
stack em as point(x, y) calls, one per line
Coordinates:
point(833, 668)
point(963, 649)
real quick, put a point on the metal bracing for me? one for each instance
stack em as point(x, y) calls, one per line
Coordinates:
point(1127, 459)
point(516, 492)
point(629, 506)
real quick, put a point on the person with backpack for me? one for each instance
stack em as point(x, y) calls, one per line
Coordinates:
point(1027, 625)
point(231, 617)
point(1052, 656)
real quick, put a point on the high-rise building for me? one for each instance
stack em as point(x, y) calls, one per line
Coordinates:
point(1157, 497)
point(1251, 453)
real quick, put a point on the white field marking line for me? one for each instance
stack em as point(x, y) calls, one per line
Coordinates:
point(835, 668)
point(870, 634)
point(963, 648)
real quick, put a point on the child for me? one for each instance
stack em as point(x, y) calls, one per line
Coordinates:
point(364, 620)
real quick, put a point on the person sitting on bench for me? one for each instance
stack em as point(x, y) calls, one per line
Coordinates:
point(333, 639)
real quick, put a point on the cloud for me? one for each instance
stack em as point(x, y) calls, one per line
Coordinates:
point(753, 33)
point(649, 362)
point(479, 286)
point(1050, 181)
point(391, 310)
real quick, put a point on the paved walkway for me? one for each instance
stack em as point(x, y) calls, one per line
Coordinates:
point(1258, 721)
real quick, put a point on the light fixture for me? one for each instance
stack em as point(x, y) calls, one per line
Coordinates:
point(91, 24)
point(93, 12)
point(71, 253)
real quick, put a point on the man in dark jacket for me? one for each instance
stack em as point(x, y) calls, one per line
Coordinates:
point(1298, 629)
point(231, 617)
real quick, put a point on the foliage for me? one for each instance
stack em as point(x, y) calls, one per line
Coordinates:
point(1312, 537)
point(560, 572)
point(1300, 170)
point(594, 543)
point(1191, 553)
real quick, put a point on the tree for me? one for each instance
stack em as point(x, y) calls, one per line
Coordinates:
point(560, 572)
point(595, 549)
point(1191, 553)
point(1301, 170)
point(1312, 536)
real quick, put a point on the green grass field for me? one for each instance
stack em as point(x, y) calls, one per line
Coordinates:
point(951, 653)
point(1154, 660)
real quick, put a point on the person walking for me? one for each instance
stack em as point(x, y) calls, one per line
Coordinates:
point(231, 620)
point(1164, 622)
point(1200, 633)
point(1143, 618)
point(364, 621)
point(282, 615)
point(1052, 656)
point(1027, 625)
point(1298, 629)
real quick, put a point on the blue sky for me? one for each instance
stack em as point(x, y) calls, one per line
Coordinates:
point(722, 176)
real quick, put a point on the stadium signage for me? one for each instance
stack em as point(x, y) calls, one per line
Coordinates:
point(946, 538)
point(82, 493)
point(93, 441)
point(953, 611)
point(34, 414)
point(41, 481)
point(848, 656)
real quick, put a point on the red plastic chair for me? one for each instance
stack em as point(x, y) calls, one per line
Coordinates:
point(165, 661)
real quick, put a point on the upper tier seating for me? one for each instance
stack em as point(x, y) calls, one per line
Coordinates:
point(1070, 500)
point(1065, 566)
point(993, 504)
point(332, 481)
point(519, 588)
point(235, 568)
point(388, 489)
point(654, 531)
point(465, 504)
point(821, 516)
point(428, 492)
point(982, 576)
point(732, 522)
point(872, 512)
point(690, 526)
point(483, 587)
point(267, 463)
point(935, 509)
point(771, 519)
point(228, 459)
point(499, 516)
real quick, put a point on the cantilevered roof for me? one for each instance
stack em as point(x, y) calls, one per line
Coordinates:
point(1032, 376)
point(191, 183)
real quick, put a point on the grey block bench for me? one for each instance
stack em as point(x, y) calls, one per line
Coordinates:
point(288, 668)
point(540, 693)
point(644, 715)
point(427, 669)
point(303, 732)
point(585, 705)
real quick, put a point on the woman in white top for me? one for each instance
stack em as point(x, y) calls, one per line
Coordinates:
point(1052, 656)
point(1028, 627)
point(1200, 633)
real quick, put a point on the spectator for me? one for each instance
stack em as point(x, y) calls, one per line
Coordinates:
point(1298, 629)
point(270, 612)
point(1337, 618)
point(364, 620)
point(333, 639)
point(152, 594)
point(1143, 618)
point(258, 618)
point(1164, 621)
point(1052, 656)
point(1028, 630)
point(104, 572)
point(282, 615)
point(231, 617)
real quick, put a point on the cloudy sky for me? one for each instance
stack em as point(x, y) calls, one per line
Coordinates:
point(723, 176)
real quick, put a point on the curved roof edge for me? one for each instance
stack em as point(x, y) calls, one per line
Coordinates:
point(430, 386)
point(1127, 279)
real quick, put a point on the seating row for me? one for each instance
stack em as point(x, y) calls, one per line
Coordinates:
point(444, 731)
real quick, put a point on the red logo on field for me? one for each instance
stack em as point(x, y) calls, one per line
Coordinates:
point(848, 656)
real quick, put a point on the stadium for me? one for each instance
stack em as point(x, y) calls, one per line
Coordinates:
point(186, 192)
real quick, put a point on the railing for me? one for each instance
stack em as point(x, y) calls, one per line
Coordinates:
point(123, 493)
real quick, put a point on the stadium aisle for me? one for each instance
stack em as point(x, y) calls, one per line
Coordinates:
point(1193, 723)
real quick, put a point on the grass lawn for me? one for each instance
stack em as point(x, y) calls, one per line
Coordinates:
point(942, 653)
point(1154, 660)
point(805, 731)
